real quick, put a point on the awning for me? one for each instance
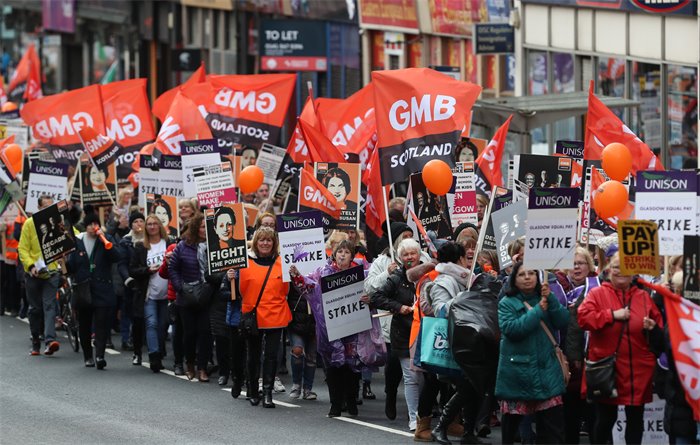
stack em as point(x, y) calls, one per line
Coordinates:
point(530, 112)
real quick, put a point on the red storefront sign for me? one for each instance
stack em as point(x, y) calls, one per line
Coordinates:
point(396, 13)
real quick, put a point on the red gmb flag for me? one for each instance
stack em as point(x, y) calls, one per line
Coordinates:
point(26, 81)
point(320, 148)
point(56, 120)
point(375, 216)
point(420, 115)
point(184, 122)
point(311, 112)
point(102, 149)
point(603, 127)
point(314, 196)
point(488, 164)
point(162, 104)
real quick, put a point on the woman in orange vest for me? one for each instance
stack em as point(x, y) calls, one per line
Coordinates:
point(262, 290)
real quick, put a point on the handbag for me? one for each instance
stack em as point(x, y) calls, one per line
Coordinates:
point(249, 320)
point(600, 375)
point(561, 358)
point(195, 294)
point(435, 352)
point(82, 296)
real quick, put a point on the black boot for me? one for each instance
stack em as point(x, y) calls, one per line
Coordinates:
point(450, 410)
point(390, 405)
point(267, 397)
point(335, 392)
point(367, 391)
point(155, 362)
point(252, 393)
point(351, 389)
point(237, 386)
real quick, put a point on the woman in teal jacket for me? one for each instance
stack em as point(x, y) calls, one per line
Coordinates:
point(530, 379)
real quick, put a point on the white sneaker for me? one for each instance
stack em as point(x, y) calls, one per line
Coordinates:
point(295, 393)
point(412, 425)
point(260, 385)
point(279, 387)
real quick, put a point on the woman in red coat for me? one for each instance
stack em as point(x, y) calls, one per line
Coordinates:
point(612, 311)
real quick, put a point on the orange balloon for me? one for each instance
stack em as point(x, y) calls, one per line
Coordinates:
point(250, 179)
point(13, 156)
point(8, 106)
point(610, 199)
point(616, 161)
point(437, 176)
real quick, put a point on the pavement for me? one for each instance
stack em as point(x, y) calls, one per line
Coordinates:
point(56, 399)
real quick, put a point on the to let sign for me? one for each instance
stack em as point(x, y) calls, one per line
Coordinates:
point(493, 38)
point(293, 45)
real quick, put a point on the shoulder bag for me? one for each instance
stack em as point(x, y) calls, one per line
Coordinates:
point(600, 375)
point(249, 320)
point(561, 358)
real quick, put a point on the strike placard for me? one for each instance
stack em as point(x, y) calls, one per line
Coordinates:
point(170, 176)
point(343, 311)
point(301, 242)
point(669, 199)
point(197, 154)
point(148, 178)
point(46, 178)
point(214, 185)
point(463, 202)
point(551, 228)
point(226, 238)
point(168, 212)
point(639, 247)
point(269, 160)
point(54, 232)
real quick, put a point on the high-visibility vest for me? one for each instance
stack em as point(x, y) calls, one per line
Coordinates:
point(10, 245)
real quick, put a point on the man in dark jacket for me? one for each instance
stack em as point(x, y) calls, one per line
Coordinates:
point(92, 262)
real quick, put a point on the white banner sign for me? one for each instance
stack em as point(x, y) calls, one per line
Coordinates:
point(269, 160)
point(46, 178)
point(343, 311)
point(301, 242)
point(551, 228)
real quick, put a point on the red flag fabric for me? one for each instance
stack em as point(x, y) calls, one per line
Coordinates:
point(26, 81)
point(603, 127)
point(420, 116)
point(351, 124)
point(184, 122)
point(376, 194)
point(56, 120)
point(162, 104)
point(488, 164)
point(313, 195)
point(102, 149)
point(683, 319)
point(319, 147)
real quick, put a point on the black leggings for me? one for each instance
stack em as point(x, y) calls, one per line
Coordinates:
point(550, 426)
point(101, 319)
point(268, 353)
point(606, 416)
point(197, 335)
point(431, 388)
point(138, 331)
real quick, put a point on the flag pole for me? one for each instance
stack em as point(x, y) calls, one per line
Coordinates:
point(388, 225)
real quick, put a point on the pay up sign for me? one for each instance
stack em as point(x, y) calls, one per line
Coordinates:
point(669, 199)
point(551, 228)
point(343, 311)
point(639, 247)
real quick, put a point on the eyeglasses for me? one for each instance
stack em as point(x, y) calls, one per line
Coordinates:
point(580, 263)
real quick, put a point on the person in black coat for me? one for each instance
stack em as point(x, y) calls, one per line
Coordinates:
point(133, 307)
point(92, 262)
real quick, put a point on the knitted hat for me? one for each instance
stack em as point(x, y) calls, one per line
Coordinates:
point(397, 228)
point(463, 226)
point(134, 216)
point(91, 218)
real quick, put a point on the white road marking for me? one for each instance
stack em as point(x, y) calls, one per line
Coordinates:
point(277, 402)
point(376, 427)
point(112, 351)
point(170, 373)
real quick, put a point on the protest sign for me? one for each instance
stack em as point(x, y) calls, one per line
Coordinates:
point(8, 210)
point(543, 171)
point(54, 232)
point(17, 129)
point(270, 160)
point(343, 311)
point(463, 201)
point(96, 186)
point(653, 424)
point(166, 209)
point(197, 154)
point(691, 267)
point(669, 199)
point(46, 178)
point(170, 176)
point(214, 185)
point(639, 247)
point(573, 150)
point(301, 242)
point(343, 181)
point(509, 225)
point(431, 209)
point(551, 228)
point(29, 158)
point(148, 178)
point(226, 238)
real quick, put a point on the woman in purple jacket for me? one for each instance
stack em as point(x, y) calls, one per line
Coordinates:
point(343, 358)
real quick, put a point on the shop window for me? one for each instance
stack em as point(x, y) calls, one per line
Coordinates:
point(611, 80)
point(394, 62)
point(682, 103)
point(563, 81)
point(537, 85)
point(646, 88)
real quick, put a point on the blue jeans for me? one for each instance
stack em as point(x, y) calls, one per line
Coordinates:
point(303, 359)
point(156, 318)
point(41, 296)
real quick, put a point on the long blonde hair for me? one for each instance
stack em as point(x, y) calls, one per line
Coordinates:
point(161, 230)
